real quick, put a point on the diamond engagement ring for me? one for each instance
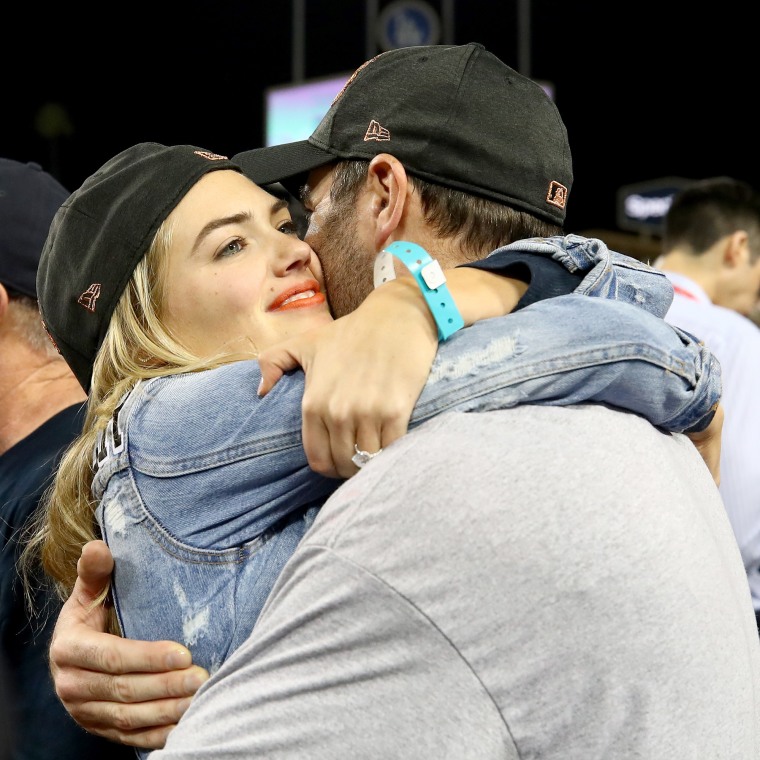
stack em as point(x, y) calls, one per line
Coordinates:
point(362, 457)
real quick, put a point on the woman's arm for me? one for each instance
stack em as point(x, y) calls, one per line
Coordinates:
point(365, 371)
point(585, 349)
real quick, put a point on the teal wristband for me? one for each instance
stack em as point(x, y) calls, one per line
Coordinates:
point(430, 278)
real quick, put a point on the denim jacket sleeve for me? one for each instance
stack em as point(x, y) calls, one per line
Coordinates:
point(562, 350)
point(606, 273)
point(571, 349)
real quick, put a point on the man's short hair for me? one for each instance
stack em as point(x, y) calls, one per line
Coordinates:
point(710, 209)
point(479, 224)
point(23, 318)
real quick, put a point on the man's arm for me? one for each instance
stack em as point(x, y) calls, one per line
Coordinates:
point(132, 692)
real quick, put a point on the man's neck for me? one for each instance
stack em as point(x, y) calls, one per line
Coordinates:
point(31, 394)
point(697, 268)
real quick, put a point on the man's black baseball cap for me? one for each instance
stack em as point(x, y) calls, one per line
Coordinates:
point(99, 235)
point(452, 114)
point(29, 198)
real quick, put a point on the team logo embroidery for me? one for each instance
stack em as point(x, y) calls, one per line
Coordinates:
point(557, 194)
point(376, 132)
point(209, 155)
point(89, 298)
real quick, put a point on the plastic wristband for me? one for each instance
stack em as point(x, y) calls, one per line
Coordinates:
point(429, 276)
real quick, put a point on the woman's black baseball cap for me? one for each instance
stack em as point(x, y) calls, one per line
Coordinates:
point(99, 235)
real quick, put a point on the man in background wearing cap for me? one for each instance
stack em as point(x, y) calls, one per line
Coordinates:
point(517, 584)
point(41, 407)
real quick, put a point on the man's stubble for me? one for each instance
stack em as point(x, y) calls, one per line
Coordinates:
point(346, 265)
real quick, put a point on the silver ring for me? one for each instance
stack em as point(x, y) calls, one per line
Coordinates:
point(362, 457)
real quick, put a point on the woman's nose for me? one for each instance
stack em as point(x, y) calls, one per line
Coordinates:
point(292, 254)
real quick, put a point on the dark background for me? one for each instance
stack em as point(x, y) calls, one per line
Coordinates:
point(646, 89)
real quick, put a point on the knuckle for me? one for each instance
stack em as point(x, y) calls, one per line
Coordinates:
point(122, 721)
point(122, 689)
point(66, 689)
point(108, 659)
point(320, 465)
point(56, 654)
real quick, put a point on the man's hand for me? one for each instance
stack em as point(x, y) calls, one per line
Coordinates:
point(132, 692)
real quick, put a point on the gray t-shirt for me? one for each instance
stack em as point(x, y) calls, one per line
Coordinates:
point(539, 582)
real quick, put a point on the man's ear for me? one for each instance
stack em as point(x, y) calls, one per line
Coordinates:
point(389, 187)
point(736, 251)
point(3, 302)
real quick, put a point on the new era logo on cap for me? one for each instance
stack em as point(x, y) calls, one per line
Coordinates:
point(209, 155)
point(89, 298)
point(376, 132)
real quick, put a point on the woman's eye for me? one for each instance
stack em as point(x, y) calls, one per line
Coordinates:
point(288, 228)
point(233, 247)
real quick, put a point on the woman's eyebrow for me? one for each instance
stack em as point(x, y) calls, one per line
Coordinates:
point(239, 218)
point(278, 205)
point(215, 224)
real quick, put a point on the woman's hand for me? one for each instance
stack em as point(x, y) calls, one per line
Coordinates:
point(365, 371)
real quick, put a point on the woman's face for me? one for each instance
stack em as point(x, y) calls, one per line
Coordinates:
point(238, 277)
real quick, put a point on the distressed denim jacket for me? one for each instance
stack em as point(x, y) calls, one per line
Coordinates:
point(608, 274)
point(204, 491)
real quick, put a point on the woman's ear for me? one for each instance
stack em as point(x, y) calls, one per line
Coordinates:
point(389, 187)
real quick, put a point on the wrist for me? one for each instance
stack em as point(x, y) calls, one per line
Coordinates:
point(430, 279)
point(400, 300)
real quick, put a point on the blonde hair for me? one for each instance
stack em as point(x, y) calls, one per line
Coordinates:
point(137, 346)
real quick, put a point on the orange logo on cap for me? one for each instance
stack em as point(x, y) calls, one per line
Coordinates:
point(90, 297)
point(376, 132)
point(557, 194)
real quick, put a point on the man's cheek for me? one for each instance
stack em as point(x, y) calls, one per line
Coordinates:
point(313, 232)
point(316, 267)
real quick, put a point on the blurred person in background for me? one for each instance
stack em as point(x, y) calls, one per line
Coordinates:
point(41, 412)
point(711, 254)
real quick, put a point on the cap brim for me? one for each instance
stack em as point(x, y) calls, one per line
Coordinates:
point(287, 164)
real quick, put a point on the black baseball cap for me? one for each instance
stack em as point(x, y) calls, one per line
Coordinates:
point(29, 198)
point(455, 115)
point(99, 235)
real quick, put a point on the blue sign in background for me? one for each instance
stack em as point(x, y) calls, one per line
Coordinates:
point(406, 23)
